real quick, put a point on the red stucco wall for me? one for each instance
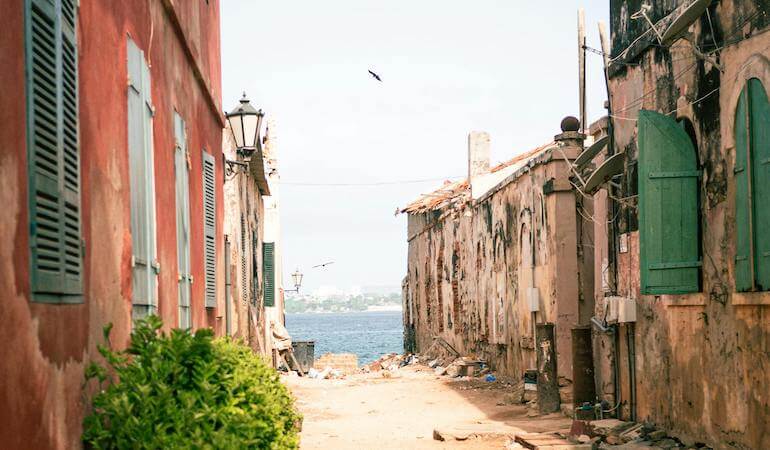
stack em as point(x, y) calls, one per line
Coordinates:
point(46, 347)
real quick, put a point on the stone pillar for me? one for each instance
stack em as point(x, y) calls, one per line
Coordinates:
point(548, 400)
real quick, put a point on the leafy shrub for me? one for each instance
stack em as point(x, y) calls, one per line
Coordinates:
point(187, 390)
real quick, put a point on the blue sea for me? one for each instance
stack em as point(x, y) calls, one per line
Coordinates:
point(367, 334)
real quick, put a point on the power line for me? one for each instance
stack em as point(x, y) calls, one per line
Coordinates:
point(377, 183)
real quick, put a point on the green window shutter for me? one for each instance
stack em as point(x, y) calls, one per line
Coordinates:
point(268, 268)
point(668, 207)
point(181, 173)
point(760, 171)
point(53, 151)
point(145, 268)
point(752, 189)
point(744, 266)
point(209, 228)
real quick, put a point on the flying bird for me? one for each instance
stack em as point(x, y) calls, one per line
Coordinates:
point(323, 265)
point(376, 77)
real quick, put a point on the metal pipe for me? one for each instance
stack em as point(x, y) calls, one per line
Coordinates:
point(616, 365)
point(630, 335)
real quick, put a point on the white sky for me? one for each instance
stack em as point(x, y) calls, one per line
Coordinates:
point(448, 67)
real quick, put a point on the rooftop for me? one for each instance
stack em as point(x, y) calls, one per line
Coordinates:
point(460, 191)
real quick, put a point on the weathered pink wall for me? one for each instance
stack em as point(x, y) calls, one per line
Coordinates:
point(46, 347)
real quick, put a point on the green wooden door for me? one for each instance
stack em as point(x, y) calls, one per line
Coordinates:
point(668, 207)
point(752, 188)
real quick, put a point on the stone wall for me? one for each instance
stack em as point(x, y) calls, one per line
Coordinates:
point(470, 266)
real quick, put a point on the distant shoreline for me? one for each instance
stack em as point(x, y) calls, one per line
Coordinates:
point(395, 308)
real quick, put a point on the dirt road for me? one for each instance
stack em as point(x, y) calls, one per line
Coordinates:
point(367, 411)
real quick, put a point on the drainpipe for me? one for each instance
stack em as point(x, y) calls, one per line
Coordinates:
point(616, 366)
point(631, 336)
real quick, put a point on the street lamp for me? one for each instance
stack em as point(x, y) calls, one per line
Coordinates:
point(245, 124)
point(297, 278)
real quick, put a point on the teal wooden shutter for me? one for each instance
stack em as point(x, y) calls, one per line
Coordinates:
point(744, 266)
point(53, 151)
point(181, 171)
point(752, 183)
point(668, 207)
point(209, 228)
point(268, 268)
point(144, 264)
point(760, 171)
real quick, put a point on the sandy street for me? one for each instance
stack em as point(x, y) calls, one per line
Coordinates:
point(367, 411)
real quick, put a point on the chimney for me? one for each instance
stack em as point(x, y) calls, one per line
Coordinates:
point(478, 155)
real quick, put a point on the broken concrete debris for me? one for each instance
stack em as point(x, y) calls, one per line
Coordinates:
point(613, 433)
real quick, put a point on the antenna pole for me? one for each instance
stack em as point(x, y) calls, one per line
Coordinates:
point(582, 67)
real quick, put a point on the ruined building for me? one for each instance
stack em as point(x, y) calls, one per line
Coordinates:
point(488, 257)
point(655, 237)
point(683, 236)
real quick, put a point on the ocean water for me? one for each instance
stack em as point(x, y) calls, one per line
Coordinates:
point(367, 334)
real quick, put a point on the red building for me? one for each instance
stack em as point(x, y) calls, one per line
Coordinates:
point(110, 144)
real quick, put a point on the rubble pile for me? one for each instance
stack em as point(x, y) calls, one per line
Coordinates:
point(389, 364)
point(609, 433)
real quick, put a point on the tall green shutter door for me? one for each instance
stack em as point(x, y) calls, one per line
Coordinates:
point(142, 185)
point(268, 264)
point(760, 156)
point(210, 228)
point(54, 166)
point(752, 183)
point(181, 174)
point(668, 207)
point(744, 266)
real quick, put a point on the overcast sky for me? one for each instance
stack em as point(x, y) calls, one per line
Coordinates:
point(447, 66)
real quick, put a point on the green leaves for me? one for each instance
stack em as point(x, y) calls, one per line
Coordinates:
point(188, 390)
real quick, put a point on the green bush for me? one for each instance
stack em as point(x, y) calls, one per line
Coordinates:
point(187, 390)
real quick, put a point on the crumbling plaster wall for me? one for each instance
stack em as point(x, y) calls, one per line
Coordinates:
point(701, 359)
point(244, 221)
point(468, 270)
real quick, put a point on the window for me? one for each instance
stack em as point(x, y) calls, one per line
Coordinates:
point(210, 229)
point(56, 260)
point(144, 266)
point(668, 207)
point(752, 189)
point(268, 270)
point(182, 178)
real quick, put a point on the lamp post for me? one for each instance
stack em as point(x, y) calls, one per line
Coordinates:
point(245, 125)
point(297, 279)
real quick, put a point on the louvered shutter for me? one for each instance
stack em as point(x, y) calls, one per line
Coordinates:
point(744, 275)
point(760, 171)
point(244, 279)
point(182, 221)
point(145, 268)
point(54, 167)
point(752, 183)
point(209, 228)
point(668, 207)
point(268, 265)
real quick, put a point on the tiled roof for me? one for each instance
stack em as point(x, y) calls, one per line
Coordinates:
point(459, 191)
